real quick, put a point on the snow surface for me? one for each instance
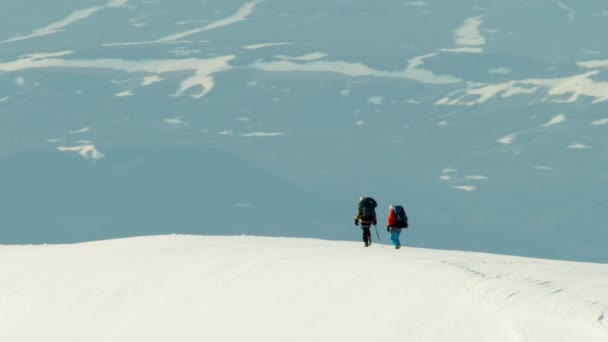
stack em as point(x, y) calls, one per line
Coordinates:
point(242, 288)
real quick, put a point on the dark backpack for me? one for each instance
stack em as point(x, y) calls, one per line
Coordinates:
point(368, 213)
point(367, 209)
point(401, 216)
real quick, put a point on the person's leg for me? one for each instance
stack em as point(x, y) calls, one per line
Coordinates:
point(397, 234)
point(363, 236)
point(366, 235)
point(393, 240)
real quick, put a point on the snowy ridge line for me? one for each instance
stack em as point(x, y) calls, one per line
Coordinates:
point(254, 288)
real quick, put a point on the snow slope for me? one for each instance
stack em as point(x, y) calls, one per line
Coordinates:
point(206, 288)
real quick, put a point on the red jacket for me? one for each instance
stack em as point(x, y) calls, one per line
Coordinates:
point(391, 219)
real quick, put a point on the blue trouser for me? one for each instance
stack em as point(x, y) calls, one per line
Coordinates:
point(395, 232)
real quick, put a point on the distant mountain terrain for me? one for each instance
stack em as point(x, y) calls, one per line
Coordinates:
point(489, 123)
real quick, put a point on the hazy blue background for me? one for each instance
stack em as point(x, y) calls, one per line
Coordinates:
point(391, 99)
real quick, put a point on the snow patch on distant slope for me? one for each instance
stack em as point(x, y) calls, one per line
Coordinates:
point(126, 93)
point(87, 151)
point(117, 3)
point(593, 64)
point(81, 130)
point(507, 139)
point(72, 18)
point(468, 38)
point(308, 57)
point(376, 100)
point(412, 71)
point(175, 121)
point(476, 177)
point(191, 21)
point(468, 34)
point(467, 188)
point(262, 134)
point(202, 68)
point(148, 80)
point(184, 51)
point(463, 49)
point(578, 146)
point(241, 14)
point(59, 25)
point(600, 122)
point(573, 86)
point(264, 45)
point(555, 120)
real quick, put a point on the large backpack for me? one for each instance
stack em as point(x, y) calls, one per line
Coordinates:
point(400, 217)
point(367, 210)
